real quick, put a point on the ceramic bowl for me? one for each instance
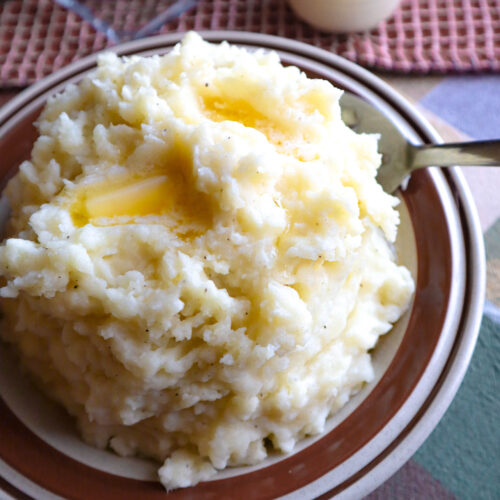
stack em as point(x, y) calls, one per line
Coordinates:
point(343, 16)
point(419, 365)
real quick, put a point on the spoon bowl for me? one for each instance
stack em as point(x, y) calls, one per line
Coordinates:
point(400, 157)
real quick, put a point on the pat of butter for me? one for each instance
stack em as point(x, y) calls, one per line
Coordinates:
point(148, 196)
point(152, 195)
point(159, 195)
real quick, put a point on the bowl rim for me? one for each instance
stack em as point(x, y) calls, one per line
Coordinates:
point(457, 362)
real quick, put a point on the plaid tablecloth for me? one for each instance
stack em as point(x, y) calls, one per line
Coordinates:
point(39, 36)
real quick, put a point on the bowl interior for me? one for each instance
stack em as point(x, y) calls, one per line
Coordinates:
point(41, 441)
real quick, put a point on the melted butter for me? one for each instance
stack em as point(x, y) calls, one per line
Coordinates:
point(109, 202)
point(218, 110)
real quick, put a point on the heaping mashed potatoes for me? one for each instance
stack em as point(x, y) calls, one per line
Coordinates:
point(198, 260)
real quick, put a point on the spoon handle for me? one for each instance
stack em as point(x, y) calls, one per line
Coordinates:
point(465, 154)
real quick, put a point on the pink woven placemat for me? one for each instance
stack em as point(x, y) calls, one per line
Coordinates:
point(38, 37)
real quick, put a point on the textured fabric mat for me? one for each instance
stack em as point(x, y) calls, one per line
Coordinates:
point(39, 36)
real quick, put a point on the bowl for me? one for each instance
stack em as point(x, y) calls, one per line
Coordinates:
point(419, 365)
point(342, 16)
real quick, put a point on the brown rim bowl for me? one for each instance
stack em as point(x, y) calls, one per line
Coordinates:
point(421, 363)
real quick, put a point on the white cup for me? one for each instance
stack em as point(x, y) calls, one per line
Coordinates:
point(340, 16)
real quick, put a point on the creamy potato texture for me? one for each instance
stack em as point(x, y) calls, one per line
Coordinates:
point(198, 259)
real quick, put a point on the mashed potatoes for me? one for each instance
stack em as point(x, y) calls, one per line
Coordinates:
point(198, 258)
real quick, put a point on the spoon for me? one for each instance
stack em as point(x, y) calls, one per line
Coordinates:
point(399, 157)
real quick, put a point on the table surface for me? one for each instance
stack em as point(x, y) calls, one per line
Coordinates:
point(461, 458)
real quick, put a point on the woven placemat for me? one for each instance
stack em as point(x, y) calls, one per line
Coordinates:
point(38, 37)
